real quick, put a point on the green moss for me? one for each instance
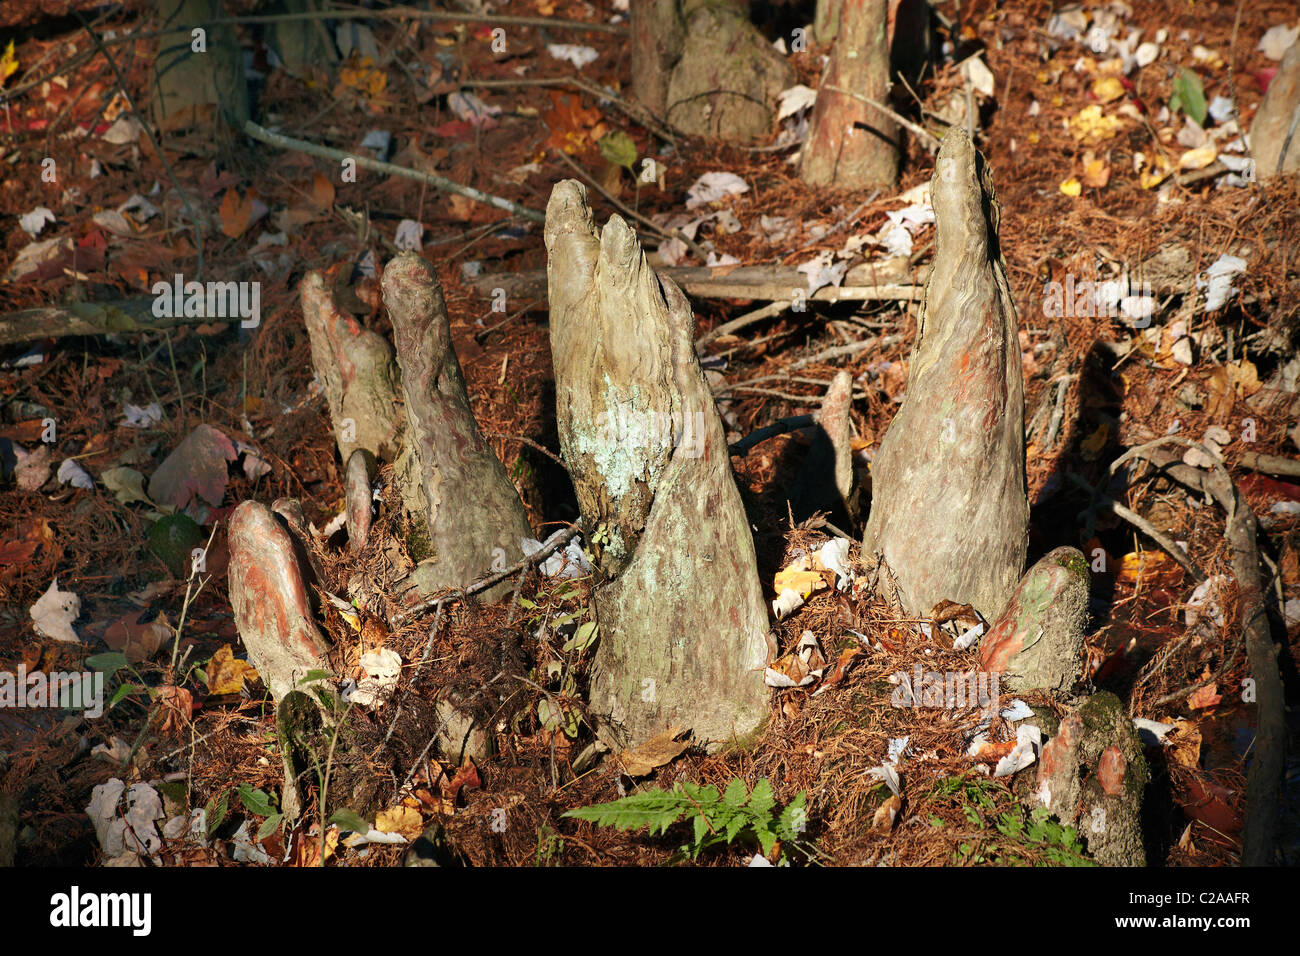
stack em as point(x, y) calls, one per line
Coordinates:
point(1077, 564)
point(418, 543)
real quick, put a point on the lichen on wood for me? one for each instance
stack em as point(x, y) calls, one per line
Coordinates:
point(682, 620)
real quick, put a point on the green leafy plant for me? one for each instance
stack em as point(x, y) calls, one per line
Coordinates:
point(1188, 95)
point(1028, 837)
point(716, 819)
point(263, 804)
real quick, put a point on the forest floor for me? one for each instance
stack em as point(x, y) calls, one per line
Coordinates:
point(1077, 167)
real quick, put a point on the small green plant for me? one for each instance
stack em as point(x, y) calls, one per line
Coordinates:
point(716, 819)
point(549, 845)
point(1029, 837)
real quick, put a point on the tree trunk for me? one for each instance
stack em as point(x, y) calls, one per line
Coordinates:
point(186, 80)
point(850, 143)
point(949, 506)
point(302, 44)
point(658, 35)
point(682, 620)
point(703, 67)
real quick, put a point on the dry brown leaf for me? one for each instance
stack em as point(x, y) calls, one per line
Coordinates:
point(654, 753)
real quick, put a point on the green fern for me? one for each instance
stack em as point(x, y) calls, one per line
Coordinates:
point(716, 819)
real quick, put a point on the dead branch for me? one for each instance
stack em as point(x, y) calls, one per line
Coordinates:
point(1265, 773)
point(437, 182)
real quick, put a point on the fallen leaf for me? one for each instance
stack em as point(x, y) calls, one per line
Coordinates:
point(195, 468)
point(1154, 569)
point(659, 750)
point(54, 612)
point(226, 673)
point(139, 642)
point(400, 819)
point(1204, 697)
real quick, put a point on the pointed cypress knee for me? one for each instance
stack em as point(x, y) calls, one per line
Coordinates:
point(455, 485)
point(682, 621)
point(949, 507)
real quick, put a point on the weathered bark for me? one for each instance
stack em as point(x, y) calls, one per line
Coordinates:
point(657, 37)
point(1037, 643)
point(1276, 120)
point(949, 506)
point(356, 495)
point(1091, 771)
point(272, 609)
point(726, 80)
point(356, 367)
point(185, 81)
point(456, 486)
point(682, 618)
point(850, 143)
point(301, 44)
point(1091, 774)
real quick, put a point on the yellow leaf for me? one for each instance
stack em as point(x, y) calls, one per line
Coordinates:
point(400, 819)
point(1152, 568)
point(1090, 126)
point(1198, 158)
point(226, 675)
point(8, 63)
point(1095, 173)
point(1107, 88)
point(1071, 187)
point(1094, 443)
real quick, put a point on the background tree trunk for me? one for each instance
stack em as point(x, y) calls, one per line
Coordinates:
point(703, 67)
point(658, 35)
point(186, 81)
point(949, 505)
point(682, 618)
point(850, 143)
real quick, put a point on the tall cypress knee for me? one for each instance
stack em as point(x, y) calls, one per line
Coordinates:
point(682, 621)
point(949, 507)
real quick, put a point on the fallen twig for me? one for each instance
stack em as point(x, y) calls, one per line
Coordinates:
point(553, 544)
point(438, 182)
point(1264, 776)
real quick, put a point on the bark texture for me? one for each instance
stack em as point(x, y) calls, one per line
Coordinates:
point(272, 609)
point(682, 621)
point(1091, 774)
point(825, 481)
point(850, 143)
point(726, 80)
point(657, 37)
point(356, 366)
point(1276, 117)
point(185, 81)
point(454, 483)
point(949, 505)
point(1037, 643)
